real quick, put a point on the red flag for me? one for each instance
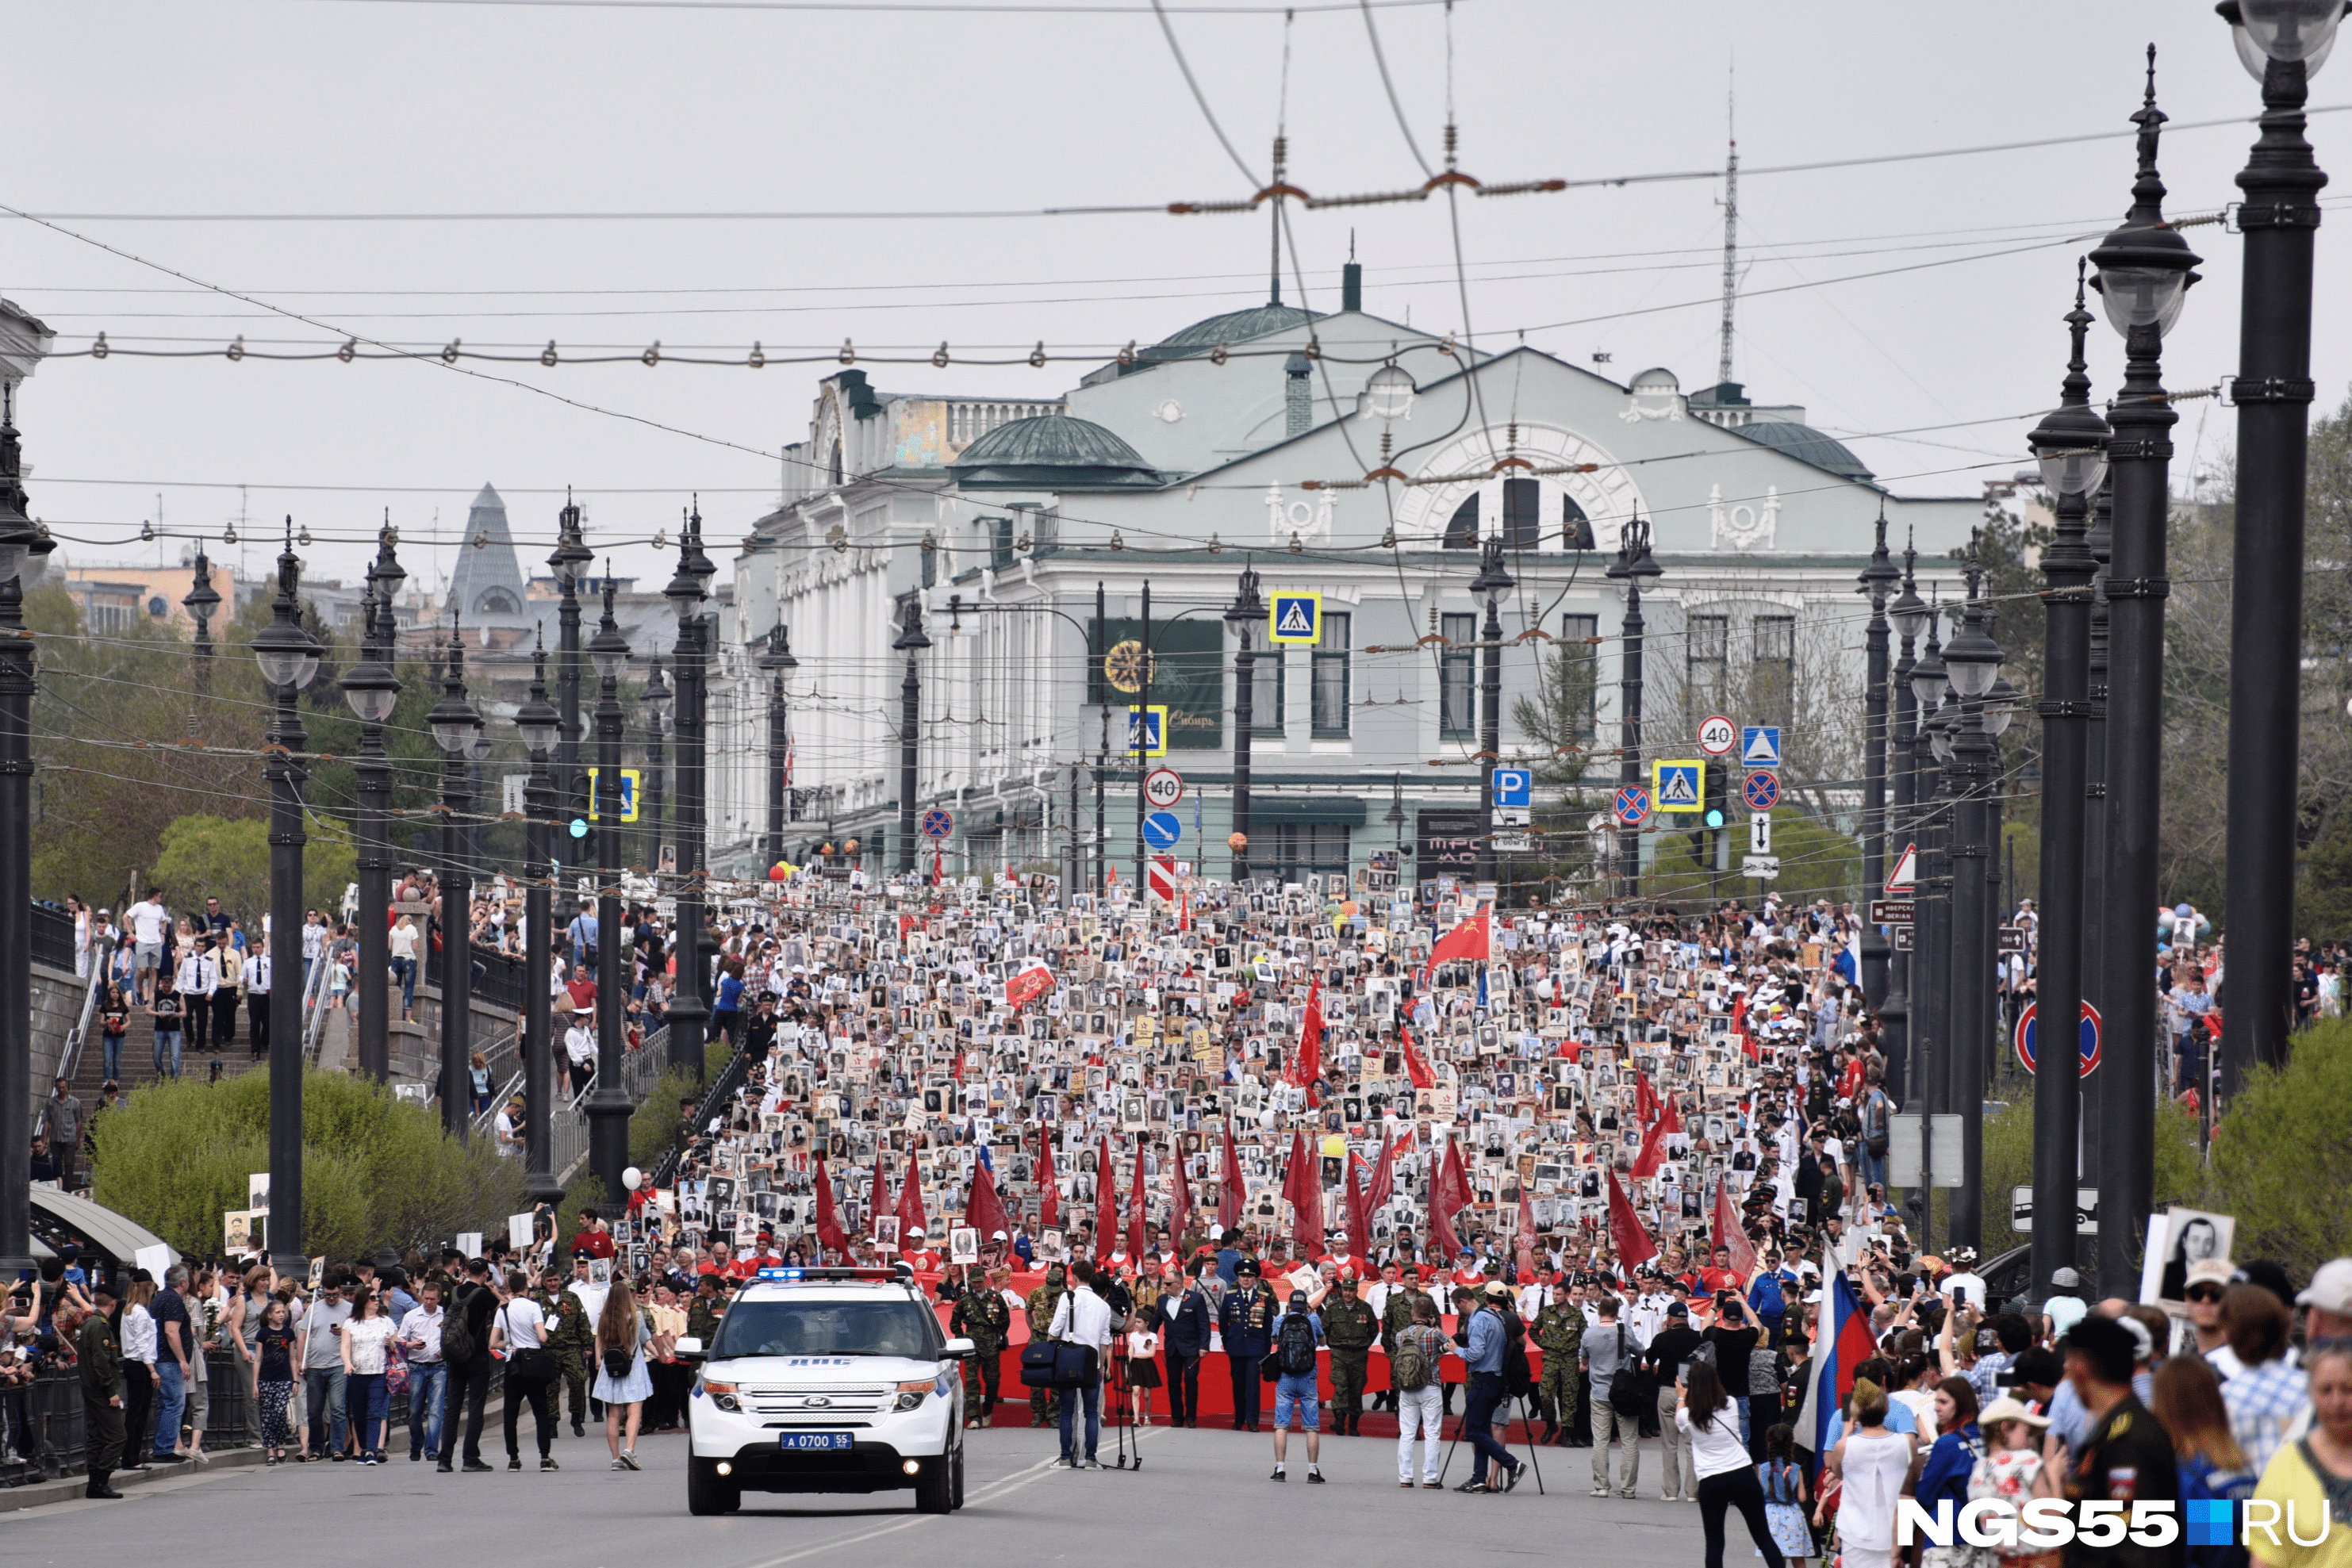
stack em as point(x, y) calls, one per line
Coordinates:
point(881, 1204)
point(1672, 1121)
point(1180, 1197)
point(1449, 1189)
point(1359, 1219)
point(1232, 1192)
point(1135, 1208)
point(828, 1223)
point(1307, 1064)
point(910, 1207)
point(986, 1211)
point(1739, 1026)
point(1653, 1153)
point(1467, 940)
point(1033, 980)
point(1645, 1099)
point(1049, 1198)
point(1633, 1244)
point(1728, 1232)
point(1106, 1202)
point(1302, 1186)
point(1383, 1182)
point(1457, 1187)
point(1527, 1236)
point(1414, 1067)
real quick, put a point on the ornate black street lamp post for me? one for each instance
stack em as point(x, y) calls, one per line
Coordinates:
point(455, 724)
point(608, 1104)
point(373, 690)
point(541, 728)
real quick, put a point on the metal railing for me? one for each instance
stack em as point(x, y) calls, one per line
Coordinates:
point(53, 937)
point(499, 978)
point(44, 1419)
point(721, 1093)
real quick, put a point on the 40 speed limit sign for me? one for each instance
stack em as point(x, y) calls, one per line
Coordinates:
point(1164, 787)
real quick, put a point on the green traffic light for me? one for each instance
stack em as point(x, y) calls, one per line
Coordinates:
point(1714, 817)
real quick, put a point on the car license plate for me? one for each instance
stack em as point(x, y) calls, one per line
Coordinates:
point(815, 1441)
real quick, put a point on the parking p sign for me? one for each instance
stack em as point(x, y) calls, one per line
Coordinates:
point(1513, 786)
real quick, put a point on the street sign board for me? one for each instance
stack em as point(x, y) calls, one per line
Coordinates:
point(1759, 835)
point(512, 802)
point(1514, 844)
point(1163, 828)
point(1514, 787)
point(1910, 1136)
point(1159, 879)
point(1717, 735)
point(939, 824)
point(629, 779)
point(1164, 787)
point(2012, 938)
point(1903, 939)
point(1762, 867)
point(1513, 816)
point(1761, 791)
point(1906, 874)
point(1759, 746)
point(1632, 807)
point(1677, 785)
point(1892, 911)
point(1294, 618)
point(2087, 1210)
point(2026, 1033)
point(1146, 731)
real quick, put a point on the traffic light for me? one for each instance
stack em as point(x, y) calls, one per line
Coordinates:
point(1707, 842)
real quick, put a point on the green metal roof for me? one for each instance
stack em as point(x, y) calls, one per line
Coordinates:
point(1806, 444)
point(1052, 450)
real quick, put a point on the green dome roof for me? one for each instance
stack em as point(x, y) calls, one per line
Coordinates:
point(1053, 450)
point(1806, 444)
point(1234, 327)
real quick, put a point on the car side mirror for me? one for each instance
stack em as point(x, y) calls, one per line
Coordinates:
point(959, 1350)
point(687, 1348)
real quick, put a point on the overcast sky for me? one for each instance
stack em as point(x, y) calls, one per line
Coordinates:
point(128, 107)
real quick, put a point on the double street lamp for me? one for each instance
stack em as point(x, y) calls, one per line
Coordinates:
point(289, 657)
point(374, 692)
point(1973, 663)
point(1488, 587)
point(1897, 1012)
point(608, 1104)
point(455, 725)
point(541, 728)
point(1633, 566)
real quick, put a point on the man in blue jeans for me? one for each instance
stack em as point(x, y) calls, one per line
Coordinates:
point(1298, 1333)
point(1483, 1357)
point(428, 1375)
point(175, 1343)
point(322, 1366)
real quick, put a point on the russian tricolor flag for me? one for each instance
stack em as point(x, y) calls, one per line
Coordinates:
point(1842, 1342)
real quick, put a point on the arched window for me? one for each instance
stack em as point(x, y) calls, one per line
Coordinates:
point(833, 465)
point(1576, 529)
point(1462, 533)
point(1522, 516)
point(495, 601)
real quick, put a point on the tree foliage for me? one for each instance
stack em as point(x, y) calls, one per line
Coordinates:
point(227, 858)
point(2008, 1164)
point(2282, 1155)
point(377, 1171)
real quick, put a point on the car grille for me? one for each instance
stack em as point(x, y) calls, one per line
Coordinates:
point(837, 1406)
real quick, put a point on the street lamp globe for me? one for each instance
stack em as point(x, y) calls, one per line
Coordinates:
point(1940, 728)
point(285, 651)
point(1388, 395)
point(1972, 659)
point(538, 724)
point(371, 690)
point(1492, 581)
point(608, 649)
point(573, 557)
point(1929, 678)
point(657, 697)
point(2001, 705)
point(2282, 30)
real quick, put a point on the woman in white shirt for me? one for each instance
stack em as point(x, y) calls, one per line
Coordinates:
point(138, 1374)
point(1870, 1463)
point(366, 1339)
point(1726, 1479)
point(519, 1331)
point(403, 963)
point(580, 1049)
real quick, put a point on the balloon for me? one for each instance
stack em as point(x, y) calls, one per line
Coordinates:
point(776, 872)
point(1236, 842)
point(632, 1178)
point(850, 848)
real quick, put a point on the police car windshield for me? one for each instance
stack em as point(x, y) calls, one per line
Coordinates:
point(883, 1327)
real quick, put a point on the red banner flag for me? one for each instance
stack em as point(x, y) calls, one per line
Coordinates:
point(1633, 1244)
point(1359, 1219)
point(1449, 1189)
point(1728, 1232)
point(1653, 1153)
point(1414, 1067)
point(1467, 940)
point(1383, 1182)
point(1049, 1198)
point(1135, 1205)
point(1307, 1062)
point(829, 1232)
point(1232, 1191)
point(1302, 1186)
point(910, 1207)
point(1739, 1026)
point(1106, 1203)
point(986, 1211)
point(1645, 1099)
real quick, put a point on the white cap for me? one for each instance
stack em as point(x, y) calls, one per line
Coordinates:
point(2330, 1289)
point(998, 1237)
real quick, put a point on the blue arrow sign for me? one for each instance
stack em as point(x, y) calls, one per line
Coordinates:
point(1163, 828)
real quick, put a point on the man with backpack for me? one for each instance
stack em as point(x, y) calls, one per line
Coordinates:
point(1416, 1351)
point(1297, 1334)
point(466, 1350)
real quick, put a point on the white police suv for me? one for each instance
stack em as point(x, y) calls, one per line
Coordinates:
point(826, 1380)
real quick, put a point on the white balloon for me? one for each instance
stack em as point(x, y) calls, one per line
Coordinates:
point(631, 1178)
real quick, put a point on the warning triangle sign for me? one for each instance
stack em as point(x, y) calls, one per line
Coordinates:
point(1763, 748)
point(1905, 876)
point(1296, 621)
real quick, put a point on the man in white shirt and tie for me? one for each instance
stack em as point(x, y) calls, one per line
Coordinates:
point(1083, 1318)
point(198, 978)
point(257, 1003)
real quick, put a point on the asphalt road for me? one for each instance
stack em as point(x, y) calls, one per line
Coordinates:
point(1197, 1492)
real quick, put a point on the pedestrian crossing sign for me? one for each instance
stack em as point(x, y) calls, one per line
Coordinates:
point(1677, 785)
point(628, 802)
point(1295, 618)
point(1146, 731)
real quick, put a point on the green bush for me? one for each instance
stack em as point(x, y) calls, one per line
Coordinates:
point(2283, 1156)
point(2007, 1162)
point(227, 858)
point(376, 1171)
point(653, 1127)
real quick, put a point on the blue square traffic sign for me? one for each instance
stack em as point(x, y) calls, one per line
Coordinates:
point(1514, 787)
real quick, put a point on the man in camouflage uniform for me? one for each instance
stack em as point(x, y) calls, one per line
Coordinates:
point(981, 1315)
point(1349, 1328)
point(1397, 1314)
point(703, 1312)
point(572, 1338)
point(1044, 1404)
point(1559, 1331)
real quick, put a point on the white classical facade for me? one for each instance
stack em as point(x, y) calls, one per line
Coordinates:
point(1260, 439)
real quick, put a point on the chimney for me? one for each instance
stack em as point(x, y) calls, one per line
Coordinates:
point(1351, 287)
point(1299, 400)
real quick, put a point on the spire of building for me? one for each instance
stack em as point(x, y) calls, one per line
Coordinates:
point(485, 585)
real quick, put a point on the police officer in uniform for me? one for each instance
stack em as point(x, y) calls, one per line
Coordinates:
point(102, 1392)
point(1349, 1328)
point(982, 1316)
point(1559, 1331)
point(1045, 1404)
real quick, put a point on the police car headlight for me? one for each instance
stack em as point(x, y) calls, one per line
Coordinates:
point(911, 1395)
point(724, 1396)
